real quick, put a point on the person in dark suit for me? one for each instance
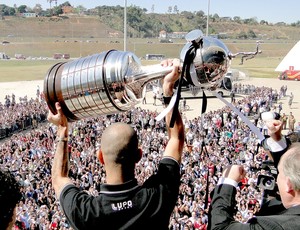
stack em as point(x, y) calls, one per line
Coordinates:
point(288, 181)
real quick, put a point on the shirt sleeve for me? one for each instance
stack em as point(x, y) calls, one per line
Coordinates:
point(76, 206)
point(223, 209)
point(166, 181)
point(229, 181)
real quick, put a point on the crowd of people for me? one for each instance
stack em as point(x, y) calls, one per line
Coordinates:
point(222, 139)
point(16, 117)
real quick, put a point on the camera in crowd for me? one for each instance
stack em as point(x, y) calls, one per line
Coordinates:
point(267, 181)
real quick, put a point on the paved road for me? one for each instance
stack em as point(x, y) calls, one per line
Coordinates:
point(215, 103)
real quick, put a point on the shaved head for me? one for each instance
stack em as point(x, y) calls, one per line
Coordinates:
point(290, 164)
point(119, 144)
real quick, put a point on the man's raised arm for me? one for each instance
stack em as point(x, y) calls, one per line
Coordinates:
point(176, 133)
point(60, 166)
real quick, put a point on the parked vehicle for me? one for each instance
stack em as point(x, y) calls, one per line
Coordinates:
point(20, 56)
point(290, 75)
point(57, 56)
point(4, 56)
point(66, 56)
point(154, 56)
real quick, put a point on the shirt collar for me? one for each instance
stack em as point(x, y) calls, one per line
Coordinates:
point(119, 188)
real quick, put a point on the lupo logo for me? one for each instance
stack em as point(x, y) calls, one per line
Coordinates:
point(121, 205)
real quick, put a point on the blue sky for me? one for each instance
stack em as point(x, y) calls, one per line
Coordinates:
point(270, 10)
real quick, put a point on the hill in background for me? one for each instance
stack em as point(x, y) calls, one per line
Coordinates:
point(54, 27)
point(107, 21)
point(42, 37)
point(71, 34)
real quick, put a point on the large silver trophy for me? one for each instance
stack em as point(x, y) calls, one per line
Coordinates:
point(113, 81)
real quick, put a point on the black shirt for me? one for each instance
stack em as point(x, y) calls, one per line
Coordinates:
point(128, 205)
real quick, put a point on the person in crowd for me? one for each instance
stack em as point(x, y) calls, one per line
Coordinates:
point(280, 107)
point(284, 119)
point(232, 96)
point(297, 128)
point(122, 202)
point(184, 103)
point(29, 156)
point(10, 195)
point(276, 144)
point(155, 91)
point(291, 98)
point(292, 122)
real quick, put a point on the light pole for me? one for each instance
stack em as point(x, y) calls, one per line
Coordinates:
point(207, 19)
point(125, 25)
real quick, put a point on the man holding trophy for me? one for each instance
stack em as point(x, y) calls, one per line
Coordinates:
point(113, 82)
point(122, 202)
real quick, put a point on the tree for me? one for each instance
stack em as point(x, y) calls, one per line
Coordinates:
point(50, 2)
point(200, 14)
point(237, 19)
point(22, 9)
point(251, 21)
point(57, 10)
point(37, 9)
point(188, 15)
point(152, 8)
point(135, 18)
point(6, 10)
point(251, 34)
point(175, 9)
point(80, 9)
point(216, 17)
point(263, 22)
point(295, 24)
point(29, 10)
point(170, 9)
point(242, 35)
point(11, 11)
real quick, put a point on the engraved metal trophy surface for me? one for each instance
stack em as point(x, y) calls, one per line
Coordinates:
point(113, 81)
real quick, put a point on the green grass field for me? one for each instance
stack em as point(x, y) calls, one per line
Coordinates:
point(23, 70)
point(259, 67)
point(263, 65)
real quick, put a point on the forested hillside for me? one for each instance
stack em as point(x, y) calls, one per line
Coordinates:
point(106, 20)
